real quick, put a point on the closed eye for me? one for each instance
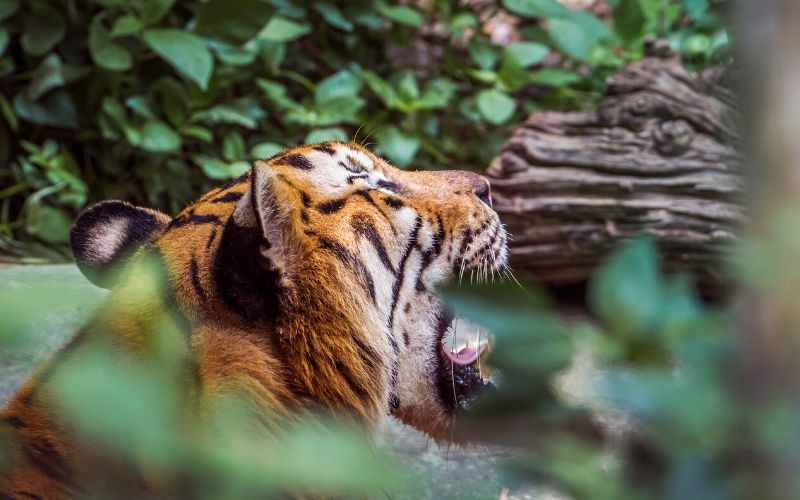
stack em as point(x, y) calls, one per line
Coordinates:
point(389, 185)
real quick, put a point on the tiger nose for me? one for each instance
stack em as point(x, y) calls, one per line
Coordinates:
point(481, 187)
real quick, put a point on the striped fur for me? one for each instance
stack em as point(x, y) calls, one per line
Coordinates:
point(307, 282)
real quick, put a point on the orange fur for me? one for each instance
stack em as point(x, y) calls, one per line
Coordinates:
point(328, 346)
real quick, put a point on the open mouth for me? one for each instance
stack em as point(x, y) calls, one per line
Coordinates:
point(461, 377)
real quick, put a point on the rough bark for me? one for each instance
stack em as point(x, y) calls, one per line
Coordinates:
point(659, 156)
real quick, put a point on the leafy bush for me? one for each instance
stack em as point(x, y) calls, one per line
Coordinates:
point(153, 101)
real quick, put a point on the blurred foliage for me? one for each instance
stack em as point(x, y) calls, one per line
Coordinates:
point(154, 101)
point(665, 363)
point(665, 366)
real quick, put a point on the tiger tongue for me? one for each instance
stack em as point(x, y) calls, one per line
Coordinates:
point(466, 356)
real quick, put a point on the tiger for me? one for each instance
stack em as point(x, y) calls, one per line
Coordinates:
point(308, 282)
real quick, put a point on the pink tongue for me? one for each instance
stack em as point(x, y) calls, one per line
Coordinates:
point(466, 356)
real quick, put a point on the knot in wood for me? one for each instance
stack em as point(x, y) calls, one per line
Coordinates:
point(673, 138)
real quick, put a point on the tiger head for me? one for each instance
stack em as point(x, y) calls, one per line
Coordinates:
point(334, 255)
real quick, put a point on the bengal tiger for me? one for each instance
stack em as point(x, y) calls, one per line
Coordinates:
point(307, 281)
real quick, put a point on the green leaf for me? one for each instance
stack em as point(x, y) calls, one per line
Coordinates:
point(553, 77)
point(185, 52)
point(381, 87)
point(8, 8)
point(105, 52)
point(8, 113)
point(265, 150)
point(333, 16)
point(495, 106)
point(512, 76)
point(577, 34)
point(342, 109)
point(341, 84)
point(401, 14)
point(56, 109)
point(151, 11)
point(197, 132)
point(536, 8)
point(483, 54)
point(325, 134)
point(158, 137)
point(219, 170)
point(48, 223)
point(43, 29)
point(48, 76)
point(437, 94)
point(399, 147)
point(238, 20)
point(141, 106)
point(627, 291)
point(280, 30)
point(407, 86)
point(233, 148)
point(3, 40)
point(696, 8)
point(245, 112)
point(125, 25)
point(629, 19)
point(525, 54)
point(697, 44)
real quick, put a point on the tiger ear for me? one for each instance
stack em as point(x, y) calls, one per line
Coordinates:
point(260, 209)
point(106, 235)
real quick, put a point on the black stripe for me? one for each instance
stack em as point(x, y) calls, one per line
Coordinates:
point(350, 260)
point(325, 148)
point(440, 236)
point(363, 226)
point(350, 168)
point(368, 197)
point(228, 197)
point(239, 275)
point(391, 186)
point(367, 354)
point(331, 206)
point(356, 165)
point(393, 202)
point(233, 182)
point(44, 457)
point(467, 239)
point(294, 160)
point(198, 288)
point(14, 421)
point(193, 219)
point(426, 259)
point(398, 284)
point(26, 494)
point(305, 199)
point(352, 178)
point(345, 372)
point(211, 238)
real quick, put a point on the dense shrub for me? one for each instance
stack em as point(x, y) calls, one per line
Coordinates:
point(155, 100)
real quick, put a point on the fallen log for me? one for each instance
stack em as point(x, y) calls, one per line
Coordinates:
point(659, 156)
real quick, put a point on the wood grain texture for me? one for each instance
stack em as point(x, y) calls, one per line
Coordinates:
point(659, 156)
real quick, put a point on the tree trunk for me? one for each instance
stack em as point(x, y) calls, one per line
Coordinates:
point(658, 156)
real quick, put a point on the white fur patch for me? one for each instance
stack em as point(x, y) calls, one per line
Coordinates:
point(106, 240)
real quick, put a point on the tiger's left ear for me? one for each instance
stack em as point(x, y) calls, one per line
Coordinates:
point(107, 234)
point(264, 210)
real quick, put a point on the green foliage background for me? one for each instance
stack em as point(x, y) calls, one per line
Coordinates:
point(154, 101)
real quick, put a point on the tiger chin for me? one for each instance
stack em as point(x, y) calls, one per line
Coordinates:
point(308, 282)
